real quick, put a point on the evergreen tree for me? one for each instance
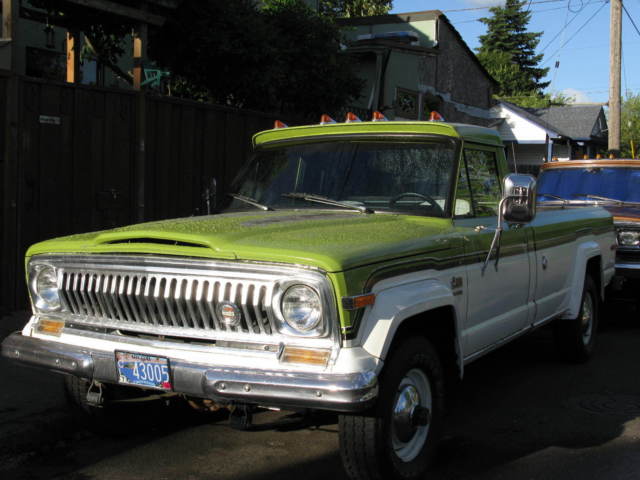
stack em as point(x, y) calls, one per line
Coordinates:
point(508, 41)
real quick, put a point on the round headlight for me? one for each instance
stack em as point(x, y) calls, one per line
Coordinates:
point(46, 289)
point(301, 308)
point(628, 238)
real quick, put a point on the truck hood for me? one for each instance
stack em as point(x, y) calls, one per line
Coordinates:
point(628, 214)
point(330, 240)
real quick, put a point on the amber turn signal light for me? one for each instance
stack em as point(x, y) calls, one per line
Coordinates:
point(306, 356)
point(359, 301)
point(49, 326)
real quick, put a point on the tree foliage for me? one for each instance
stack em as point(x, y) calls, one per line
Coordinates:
point(508, 50)
point(539, 100)
point(354, 8)
point(282, 57)
point(630, 125)
point(275, 55)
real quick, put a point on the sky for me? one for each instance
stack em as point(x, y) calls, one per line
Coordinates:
point(575, 33)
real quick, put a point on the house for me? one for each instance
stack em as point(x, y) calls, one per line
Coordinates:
point(413, 63)
point(565, 132)
point(39, 44)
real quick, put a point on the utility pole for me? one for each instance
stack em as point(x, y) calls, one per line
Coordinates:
point(615, 49)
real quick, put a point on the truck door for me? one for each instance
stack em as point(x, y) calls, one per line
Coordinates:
point(498, 296)
point(555, 257)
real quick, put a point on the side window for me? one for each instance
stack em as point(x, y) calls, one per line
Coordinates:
point(484, 182)
point(463, 194)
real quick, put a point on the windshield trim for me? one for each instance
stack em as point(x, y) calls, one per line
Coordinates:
point(357, 137)
point(454, 142)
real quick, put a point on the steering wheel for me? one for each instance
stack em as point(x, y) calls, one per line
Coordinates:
point(422, 196)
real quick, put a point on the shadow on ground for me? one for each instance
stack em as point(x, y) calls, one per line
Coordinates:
point(520, 413)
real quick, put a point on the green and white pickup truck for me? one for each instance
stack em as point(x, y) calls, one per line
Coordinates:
point(356, 266)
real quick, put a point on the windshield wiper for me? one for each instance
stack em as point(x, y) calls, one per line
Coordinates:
point(309, 197)
point(598, 197)
point(250, 201)
point(563, 200)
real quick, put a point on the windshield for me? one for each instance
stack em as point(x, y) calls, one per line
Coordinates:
point(406, 177)
point(589, 183)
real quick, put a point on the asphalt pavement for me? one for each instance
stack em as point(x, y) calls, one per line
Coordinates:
point(520, 413)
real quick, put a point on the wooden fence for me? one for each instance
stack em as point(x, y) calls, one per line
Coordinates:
point(76, 159)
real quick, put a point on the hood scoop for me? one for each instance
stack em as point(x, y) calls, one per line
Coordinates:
point(154, 241)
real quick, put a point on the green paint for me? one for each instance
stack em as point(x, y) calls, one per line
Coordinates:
point(349, 246)
point(333, 242)
point(291, 135)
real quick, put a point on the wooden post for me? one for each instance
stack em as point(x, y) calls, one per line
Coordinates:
point(10, 10)
point(614, 75)
point(139, 54)
point(10, 255)
point(73, 57)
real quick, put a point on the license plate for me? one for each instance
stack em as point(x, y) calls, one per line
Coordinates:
point(143, 370)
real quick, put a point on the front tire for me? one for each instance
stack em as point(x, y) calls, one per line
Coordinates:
point(576, 338)
point(397, 440)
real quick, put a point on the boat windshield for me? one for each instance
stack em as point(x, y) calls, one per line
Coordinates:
point(368, 177)
point(597, 184)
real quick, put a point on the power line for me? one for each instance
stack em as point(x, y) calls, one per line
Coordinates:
point(582, 5)
point(567, 22)
point(532, 11)
point(487, 7)
point(563, 29)
point(630, 18)
point(575, 33)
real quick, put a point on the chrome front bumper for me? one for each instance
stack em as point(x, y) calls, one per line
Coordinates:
point(628, 270)
point(337, 392)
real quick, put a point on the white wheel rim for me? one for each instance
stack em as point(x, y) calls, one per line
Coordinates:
point(586, 319)
point(414, 390)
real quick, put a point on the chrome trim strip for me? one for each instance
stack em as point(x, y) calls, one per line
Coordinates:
point(628, 266)
point(338, 392)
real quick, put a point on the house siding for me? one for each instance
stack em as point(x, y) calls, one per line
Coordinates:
point(441, 72)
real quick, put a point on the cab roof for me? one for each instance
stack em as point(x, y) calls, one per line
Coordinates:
point(305, 133)
point(600, 162)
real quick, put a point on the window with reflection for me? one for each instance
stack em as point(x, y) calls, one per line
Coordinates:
point(404, 177)
point(478, 190)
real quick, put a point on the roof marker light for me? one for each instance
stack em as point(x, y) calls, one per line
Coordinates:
point(352, 117)
point(326, 119)
point(279, 124)
point(436, 117)
point(379, 117)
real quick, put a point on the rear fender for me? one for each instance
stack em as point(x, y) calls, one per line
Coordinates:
point(585, 252)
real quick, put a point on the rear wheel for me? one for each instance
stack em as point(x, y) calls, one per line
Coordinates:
point(397, 439)
point(576, 338)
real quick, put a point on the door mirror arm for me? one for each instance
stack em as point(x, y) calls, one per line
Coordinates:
point(517, 206)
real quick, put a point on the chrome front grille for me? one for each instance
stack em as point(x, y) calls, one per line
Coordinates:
point(187, 303)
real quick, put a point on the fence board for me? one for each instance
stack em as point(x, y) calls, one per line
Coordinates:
point(75, 168)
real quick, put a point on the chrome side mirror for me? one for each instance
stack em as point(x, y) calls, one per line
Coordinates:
point(518, 205)
point(519, 198)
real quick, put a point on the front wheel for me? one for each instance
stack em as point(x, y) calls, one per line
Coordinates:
point(576, 338)
point(397, 440)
